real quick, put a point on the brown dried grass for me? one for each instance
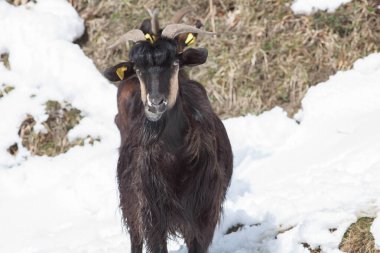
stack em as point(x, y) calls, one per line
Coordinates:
point(263, 55)
point(5, 88)
point(52, 140)
point(358, 237)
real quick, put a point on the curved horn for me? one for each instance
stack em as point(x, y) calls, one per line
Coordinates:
point(133, 35)
point(178, 16)
point(154, 21)
point(171, 31)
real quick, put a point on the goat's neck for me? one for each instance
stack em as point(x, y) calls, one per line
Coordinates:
point(176, 123)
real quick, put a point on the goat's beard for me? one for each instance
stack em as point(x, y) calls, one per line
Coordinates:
point(153, 129)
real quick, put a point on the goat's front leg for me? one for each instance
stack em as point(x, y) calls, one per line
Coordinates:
point(161, 249)
point(157, 246)
point(136, 241)
point(155, 237)
point(136, 247)
point(200, 241)
point(195, 247)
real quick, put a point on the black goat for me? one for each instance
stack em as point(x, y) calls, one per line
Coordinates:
point(175, 160)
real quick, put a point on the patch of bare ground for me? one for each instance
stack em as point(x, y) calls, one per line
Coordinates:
point(358, 237)
point(5, 88)
point(52, 140)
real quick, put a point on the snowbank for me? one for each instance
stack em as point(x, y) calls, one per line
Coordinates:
point(311, 6)
point(319, 175)
point(292, 184)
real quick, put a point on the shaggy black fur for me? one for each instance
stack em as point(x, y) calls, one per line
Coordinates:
point(173, 173)
point(161, 53)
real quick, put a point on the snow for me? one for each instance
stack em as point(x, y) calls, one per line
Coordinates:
point(311, 6)
point(293, 183)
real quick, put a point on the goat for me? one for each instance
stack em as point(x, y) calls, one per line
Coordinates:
point(175, 158)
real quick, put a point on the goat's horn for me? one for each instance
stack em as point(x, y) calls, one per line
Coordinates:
point(133, 35)
point(178, 16)
point(171, 31)
point(154, 21)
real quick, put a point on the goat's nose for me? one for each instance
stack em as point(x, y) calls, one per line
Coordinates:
point(156, 100)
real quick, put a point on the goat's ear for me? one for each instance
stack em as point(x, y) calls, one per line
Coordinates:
point(187, 39)
point(119, 72)
point(193, 57)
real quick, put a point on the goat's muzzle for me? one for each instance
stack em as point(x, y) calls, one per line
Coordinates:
point(155, 106)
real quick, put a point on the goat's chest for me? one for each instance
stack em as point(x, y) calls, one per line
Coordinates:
point(166, 171)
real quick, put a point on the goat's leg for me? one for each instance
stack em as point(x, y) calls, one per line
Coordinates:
point(155, 237)
point(136, 247)
point(157, 246)
point(201, 240)
point(136, 243)
point(195, 247)
point(161, 249)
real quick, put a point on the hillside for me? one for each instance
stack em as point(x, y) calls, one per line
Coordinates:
point(299, 182)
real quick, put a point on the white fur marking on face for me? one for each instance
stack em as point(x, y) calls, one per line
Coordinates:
point(173, 88)
point(148, 100)
point(142, 90)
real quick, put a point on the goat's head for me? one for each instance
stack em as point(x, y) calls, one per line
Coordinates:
point(156, 58)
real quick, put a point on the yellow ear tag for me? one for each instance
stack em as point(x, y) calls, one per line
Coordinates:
point(190, 39)
point(149, 38)
point(120, 72)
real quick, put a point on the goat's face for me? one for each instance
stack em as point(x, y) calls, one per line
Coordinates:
point(156, 66)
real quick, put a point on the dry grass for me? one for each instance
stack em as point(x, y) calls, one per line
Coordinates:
point(307, 246)
point(235, 228)
point(358, 238)
point(263, 56)
point(52, 140)
point(4, 59)
point(5, 88)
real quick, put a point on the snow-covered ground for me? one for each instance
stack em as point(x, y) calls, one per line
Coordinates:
point(310, 6)
point(293, 182)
